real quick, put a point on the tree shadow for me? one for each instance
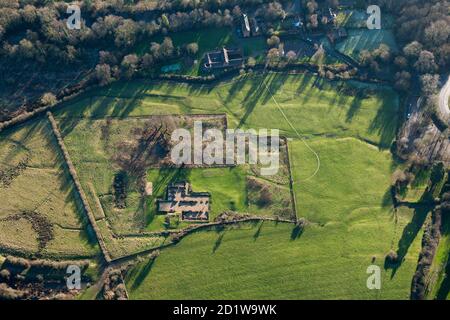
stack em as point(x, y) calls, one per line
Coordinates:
point(409, 235)
point(297, 232)
point(386, 122)
point(218, 242)
point(444, 288)
point(143, 273)
point(354, 107)
point(258, 231)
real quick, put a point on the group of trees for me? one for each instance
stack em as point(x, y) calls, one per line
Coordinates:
point(47, 40)
point(34, 36)
point(315, 18)
point(424, 29)
point(374, 58)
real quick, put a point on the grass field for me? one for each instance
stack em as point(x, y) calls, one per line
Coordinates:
point(364, 39)
point(341, 189)
point(316, 106)
point(360, 37)
point(266, 261)
point(351, 223)
point(41, 187)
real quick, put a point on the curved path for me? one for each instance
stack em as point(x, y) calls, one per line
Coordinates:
point(443, 99)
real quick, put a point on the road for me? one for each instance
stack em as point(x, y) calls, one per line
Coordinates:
point(443, 99)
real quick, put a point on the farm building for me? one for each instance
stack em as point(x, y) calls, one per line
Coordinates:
point(224, 58)
point(245, 26)
point(192, 206)
point(250, 27)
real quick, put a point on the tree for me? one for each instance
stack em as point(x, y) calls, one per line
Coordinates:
point(48, 99)
point(312, 6)
point(401, 62)
point(147, 61)
point(291, 55)
point(166, 49)
point(126, 33)
point(314, 21)
point(26, 49)
point(365, 57)
point(271, 11)
point(413, 49)
point(129, 65)
point(273, 41)
point(103, 74)
point(251, 62)
point(402, 80)
point(29, 14)
point(426, 62)
point(237, 11)
point(437, 173)
point(155, 49)
point(107, 57)
point(192, 48)
point(392, 257)
point(438, 33)
point(429, 83)
point(383, 52)
point(165, 21)
point(273, 56)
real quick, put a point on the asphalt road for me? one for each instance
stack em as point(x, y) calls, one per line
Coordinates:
point(443, 99)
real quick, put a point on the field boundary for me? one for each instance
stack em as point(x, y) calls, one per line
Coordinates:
point(291, 180)
point(73, 174)
point(195, 228)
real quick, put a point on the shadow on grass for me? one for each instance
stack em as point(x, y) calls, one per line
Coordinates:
point(258, 231)
point(218, 242)
point(409, 235)
point(386, 122)
point(444, 289)
point(297, 232)
point(143, 273)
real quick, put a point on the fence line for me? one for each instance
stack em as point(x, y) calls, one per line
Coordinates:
point(78, 187)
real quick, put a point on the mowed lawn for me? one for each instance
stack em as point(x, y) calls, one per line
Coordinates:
point(316, 106)
point(266, 261)
point(43, 187)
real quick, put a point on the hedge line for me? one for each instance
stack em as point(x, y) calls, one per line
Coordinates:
point(37, 108)
point(78, 186)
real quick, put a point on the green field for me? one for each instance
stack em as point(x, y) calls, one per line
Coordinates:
point(268, 261)
point(351, 223)
point(360, 37)
point(44, 189)
point(317, 107)
point(342, 188)
point(349, 125)
point(364, 39)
